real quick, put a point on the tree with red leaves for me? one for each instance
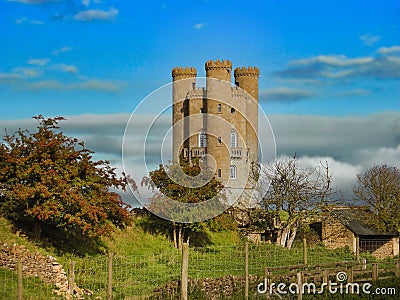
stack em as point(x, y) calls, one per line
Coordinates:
point(50, 184)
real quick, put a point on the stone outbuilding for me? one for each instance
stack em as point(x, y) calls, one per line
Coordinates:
point(346, 226)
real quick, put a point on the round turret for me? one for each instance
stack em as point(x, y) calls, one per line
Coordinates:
point(247, 71)
point(219, 69)
point(217, 64)
point(182, 73)
point(247, 79)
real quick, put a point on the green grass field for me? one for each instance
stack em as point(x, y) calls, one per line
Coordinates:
point(143, 261)
point(33, 288)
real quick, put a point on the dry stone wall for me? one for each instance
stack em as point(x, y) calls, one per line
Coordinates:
point(47, 268)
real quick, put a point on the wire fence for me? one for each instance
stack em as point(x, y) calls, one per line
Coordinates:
point(24, 287)
point(213, 273)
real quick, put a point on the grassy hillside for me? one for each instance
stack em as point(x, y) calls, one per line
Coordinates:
point(141, 260)
point(132, 241)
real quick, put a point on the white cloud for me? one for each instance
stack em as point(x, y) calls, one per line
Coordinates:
point(28, 72)
point(62, 50)
point(344, 175)
point(98, 85)
point(333, 60)
point(199, 25)
point(389, 50)
point(97, 14)
point(10, 78)
point(44, 85)
point(359, 142)
point(285, 94)
point(384, 155)
point(39, 61)
point(18, 76)
point(349, 145)
point(28, 79)
point(86, 3)
point(26, 20)
point(33, 1)
point(384, 64)
point(369, 39)
point(65, 68)
point(343, 138)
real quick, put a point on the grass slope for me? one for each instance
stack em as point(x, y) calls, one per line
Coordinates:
point(141, 261)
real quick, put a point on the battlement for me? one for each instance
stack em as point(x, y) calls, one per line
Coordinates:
point(184, 72)
point(247, 71)
point(196, 93)
point(217, 64)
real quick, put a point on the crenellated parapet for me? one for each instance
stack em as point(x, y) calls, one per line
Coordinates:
point(186, 72)
point(218, 64)
point(196, 93)
point(246, 71)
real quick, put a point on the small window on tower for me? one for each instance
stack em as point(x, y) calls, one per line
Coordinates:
point(219, 108)
point(233, 110)
point(233, 138)
point(219, 140)
point(219, 173)
point(233, 172)
point(202, 110)
point(202, 141)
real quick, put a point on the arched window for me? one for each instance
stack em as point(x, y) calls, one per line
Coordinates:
point(219, 173)
point(233, 110)
point(202, 142)
point(233, 138)
point(233, 172)
point(219, 140)
point(219, 108)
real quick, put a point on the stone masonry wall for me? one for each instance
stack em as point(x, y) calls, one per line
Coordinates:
point(35, 264)
point(336, 235)
point(384, 251)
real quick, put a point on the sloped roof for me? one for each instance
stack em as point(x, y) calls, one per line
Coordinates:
point(353, 219)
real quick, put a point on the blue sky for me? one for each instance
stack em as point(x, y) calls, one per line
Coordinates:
point(330, 70)
point(74, 57)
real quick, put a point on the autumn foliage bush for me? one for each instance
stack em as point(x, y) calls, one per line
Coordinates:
point(51, 186)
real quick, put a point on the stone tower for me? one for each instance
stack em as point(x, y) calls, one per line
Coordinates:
point(220, 120)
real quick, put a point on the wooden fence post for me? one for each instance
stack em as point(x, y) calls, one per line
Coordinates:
point(184, 274)
point(364, 264)
point(325, 276)
point(304, 250)
point(71, 278)
point(109, 275)
point(374, 272)
point(358, 249)
point(266, 281)
point(300, 285)
point(20, 280)
point(351, 275)
point(246, 268)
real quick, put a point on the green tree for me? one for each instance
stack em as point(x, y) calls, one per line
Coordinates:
point(162, 186)
point(50, 183)
point(379, 188)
